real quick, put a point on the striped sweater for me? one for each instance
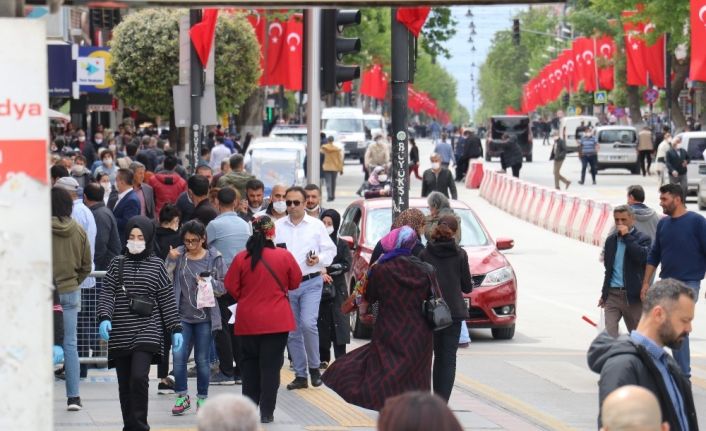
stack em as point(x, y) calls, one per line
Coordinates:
point(131, 332)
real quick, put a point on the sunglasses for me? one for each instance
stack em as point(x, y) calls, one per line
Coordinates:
point(293, 203)
point(192, 241)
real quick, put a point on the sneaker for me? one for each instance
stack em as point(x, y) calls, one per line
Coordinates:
point(238, 380)
point(182, 404)
point(73, 404)
point(266, 419)
point(165, 387)
point(60, 373)
point(221, 379)
point(315, 377)
point(199, 403)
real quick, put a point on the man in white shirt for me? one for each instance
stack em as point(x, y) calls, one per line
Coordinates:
point(306, 238)
point(219, 153)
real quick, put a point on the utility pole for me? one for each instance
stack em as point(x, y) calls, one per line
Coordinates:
point(197, 86)
point(313, 97)
point(402, 65)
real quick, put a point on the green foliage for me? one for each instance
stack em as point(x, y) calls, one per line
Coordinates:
point(374, 34)
point(145, 66)
point(439, 28)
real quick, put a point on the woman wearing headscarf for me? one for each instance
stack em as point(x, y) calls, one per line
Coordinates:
point(454, 276)
point(411, 217)
point(334, 326)
point(398, 358)
point(136, 339)
point(190, 266)
point(259, 279)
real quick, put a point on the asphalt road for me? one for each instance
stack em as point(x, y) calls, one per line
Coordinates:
point(538, 380)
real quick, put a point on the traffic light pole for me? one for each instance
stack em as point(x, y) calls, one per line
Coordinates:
point(197, 84)
point(400, 81)
point(312, 39)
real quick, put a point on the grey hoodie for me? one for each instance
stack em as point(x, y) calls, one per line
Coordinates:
point(623, 362)
point(646, 220)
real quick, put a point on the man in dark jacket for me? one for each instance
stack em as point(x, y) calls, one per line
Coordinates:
point(676, 161)
point(198, 193)
point(640, 359)
point(107, 239)
point(438, 179)
point(126, 204)
point(626, 252)
point(511, 156)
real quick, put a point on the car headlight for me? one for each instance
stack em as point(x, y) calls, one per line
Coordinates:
point(498, 276)
point(361, 144)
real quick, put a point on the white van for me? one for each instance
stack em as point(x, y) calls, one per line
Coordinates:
point(347, 126)
point(375, 123)
point(567, 129)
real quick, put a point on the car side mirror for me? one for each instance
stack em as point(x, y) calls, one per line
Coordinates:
point(505, 243)
point(349, 240)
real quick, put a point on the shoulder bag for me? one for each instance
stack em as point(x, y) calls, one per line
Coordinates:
point(279, 283)
point(435, 309)
point(139, 304)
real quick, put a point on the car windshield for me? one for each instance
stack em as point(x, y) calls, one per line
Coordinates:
point(373, 124)
point(696, 148)
point(301, 137)
point(344, 125)
point(611, 136)
point(379, 221)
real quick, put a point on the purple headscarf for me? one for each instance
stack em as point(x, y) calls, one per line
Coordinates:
point(399, 242)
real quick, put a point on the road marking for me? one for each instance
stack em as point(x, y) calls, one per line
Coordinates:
point(328, 402)
point(513, 404)
point(579, 380)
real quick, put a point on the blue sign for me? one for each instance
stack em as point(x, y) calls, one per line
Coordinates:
point(92, 69)
point(62, 70)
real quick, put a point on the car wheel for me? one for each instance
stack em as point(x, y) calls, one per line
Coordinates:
point(529, 158)
point(503, 333)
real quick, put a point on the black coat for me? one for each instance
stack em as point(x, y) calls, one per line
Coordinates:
point(452, 273)
point(637, 247)
point(674, 160)
point(442, 182)
point(108, 243)
point(512, 153)
point(340, 266)
point(474, 148)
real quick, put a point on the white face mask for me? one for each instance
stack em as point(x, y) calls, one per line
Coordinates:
point(316, 208)
point(108, 162)
point(279, 206)
point(435, 165)
point(112, 147)
point(99, 141)
point(81, 138)
point(329, 230)
point(77, 169)
point(382, 178)
point(135, 246)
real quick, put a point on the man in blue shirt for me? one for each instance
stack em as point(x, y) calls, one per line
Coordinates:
point(640, 359)
point(588, 153)
point(626, 252)
point(680, 247)
point(446, 152)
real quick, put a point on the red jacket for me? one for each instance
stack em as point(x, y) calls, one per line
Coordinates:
point(263, 307)
point(167, 188)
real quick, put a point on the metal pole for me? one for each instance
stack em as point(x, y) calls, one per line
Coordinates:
point(668, 79)
point(197, 84)
point(400, 80)
point(313, 99)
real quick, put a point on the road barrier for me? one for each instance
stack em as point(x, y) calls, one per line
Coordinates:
point(475, 175)
point(572, 216)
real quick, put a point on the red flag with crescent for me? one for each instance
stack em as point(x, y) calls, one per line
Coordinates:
point(202, 34)
point(697, 71)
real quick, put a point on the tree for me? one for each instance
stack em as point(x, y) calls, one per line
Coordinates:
point(145, 66)
point(439, 28)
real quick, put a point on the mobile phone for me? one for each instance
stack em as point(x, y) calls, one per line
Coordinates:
point(311, 254)
point(282, 245)
point(205, 274)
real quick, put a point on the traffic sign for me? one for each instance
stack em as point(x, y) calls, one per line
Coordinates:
point(600, 97)
point(650, 96)
point(571, 110)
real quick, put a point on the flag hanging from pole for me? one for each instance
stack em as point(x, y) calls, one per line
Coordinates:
point(697, 71)
point(202, 34)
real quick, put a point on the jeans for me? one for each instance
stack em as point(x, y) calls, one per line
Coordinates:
point(303, 342)
point(587, 160)
point(444, 368)
point(683, 354)
point(71, 304)
point(200, 334)
point(133, 384)
point(263, 356)
point(330, 178)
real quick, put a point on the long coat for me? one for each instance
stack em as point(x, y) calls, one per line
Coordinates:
point(398, 358)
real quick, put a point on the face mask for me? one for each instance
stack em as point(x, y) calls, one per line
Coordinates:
point(108, 162)
point(382, 178)
point(112, 147)
point(106, 186)
point(81, 138)
point(279, 206)
point(329, 230)
point(77, 169)
point(316, 208)
point(99, 141)
point(135, 247)
point(435, 165)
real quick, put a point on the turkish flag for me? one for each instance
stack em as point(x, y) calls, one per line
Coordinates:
point(257, 19)
point(413, 18)
point(697, 71)
point(276, 72)
point(634, 50)
point(202, 34)
point(605, 50)
point(585, 61)
point(654, 58)
point(293, 52)
point(347, 87)
point(381, 87)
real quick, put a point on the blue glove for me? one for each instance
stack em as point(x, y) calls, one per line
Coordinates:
point(104, 329)
point(58, 354)
point(177, 341)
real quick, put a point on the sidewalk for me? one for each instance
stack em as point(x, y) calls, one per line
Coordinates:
point(313, 409)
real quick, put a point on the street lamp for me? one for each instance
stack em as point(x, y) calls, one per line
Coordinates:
point(470, 39)
point(473, 48)
point(473, 32)
point(469, 13)
point(472, 25)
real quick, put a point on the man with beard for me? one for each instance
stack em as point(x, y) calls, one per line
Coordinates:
point(680, 248)
point(640, 359)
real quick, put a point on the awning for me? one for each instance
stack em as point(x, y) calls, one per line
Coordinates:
point(56, 115)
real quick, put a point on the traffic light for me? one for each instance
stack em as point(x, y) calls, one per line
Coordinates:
point(516, 31)
point(334, 47)
point(269, 114)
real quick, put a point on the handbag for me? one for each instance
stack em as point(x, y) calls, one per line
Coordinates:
point(138, 304)
point(328, 292)
point(279, 283)
point(435, 309)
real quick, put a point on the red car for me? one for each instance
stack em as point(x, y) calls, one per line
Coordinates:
point(492, 304)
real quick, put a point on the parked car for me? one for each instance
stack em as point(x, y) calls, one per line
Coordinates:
point(514, 125)
point(294, 131)
point(694, 143)
point(346, 125)
point(567, 129)
point(493, 301)
point(618, 148)
point(276, 160)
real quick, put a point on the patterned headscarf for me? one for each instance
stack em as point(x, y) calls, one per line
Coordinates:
point(373, 179)
point(264, 225)
point(411, 217)
point(399, 242)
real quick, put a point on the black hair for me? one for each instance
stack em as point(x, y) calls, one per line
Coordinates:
point(168, 213)
point(257, 241)
point(61, 203)
point(131, 149)
point(220, 139)
point(236, 161)
point(170, 163)
point(198, 184)
point(59, 171)
point(205, 151)
point(637, 193)
point(309, 187)
point(194, 227)
point(254, 184)
point(100, 175)
point(94, 192)
point(298, 189)
point(674, 190)
point(125, 176)
point(227, 195)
